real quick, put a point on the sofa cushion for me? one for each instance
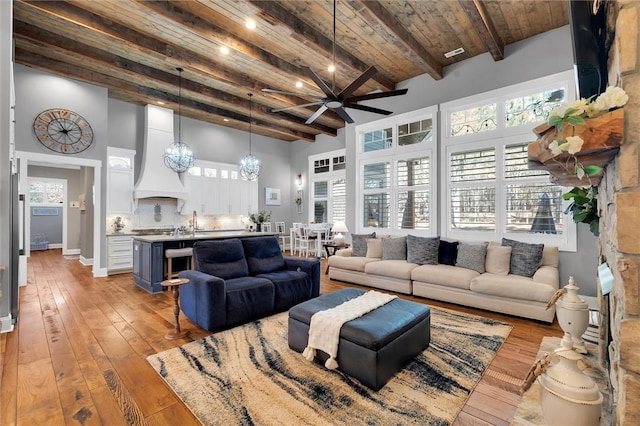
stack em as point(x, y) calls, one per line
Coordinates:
point(374, 248)
point(422, 250)
point(394, 248)
point(221, 258)
point(512, 287)
point(550, 255)
point(400, 269)
point(498, 259)
point(350, 263)
point(248, 298)
point(359, 243)
point(263, 254)
point(447, 252)
point(525, 257)
point(291, 288)
point(446, 275)
point(472, 256)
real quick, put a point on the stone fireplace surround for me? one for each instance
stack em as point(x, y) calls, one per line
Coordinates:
point(619, 242)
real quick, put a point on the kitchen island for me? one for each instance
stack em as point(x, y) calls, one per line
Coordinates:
point(148, 254)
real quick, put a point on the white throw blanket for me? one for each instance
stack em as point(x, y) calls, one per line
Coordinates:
point(324, 329)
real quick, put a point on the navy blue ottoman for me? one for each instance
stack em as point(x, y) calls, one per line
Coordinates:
point(375, 346)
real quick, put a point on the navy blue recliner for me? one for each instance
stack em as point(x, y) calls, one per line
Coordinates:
point(238, 280)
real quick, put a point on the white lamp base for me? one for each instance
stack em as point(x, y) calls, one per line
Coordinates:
point(338, 239)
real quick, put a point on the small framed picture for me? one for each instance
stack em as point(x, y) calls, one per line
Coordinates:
point(272, 197)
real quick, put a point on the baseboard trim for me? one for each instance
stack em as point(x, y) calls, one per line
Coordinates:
point(55, 246)
point(85, 261)
point(102, 272)
point(6, 324)
point(71, 252)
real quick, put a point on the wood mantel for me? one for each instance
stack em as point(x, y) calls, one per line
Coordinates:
point(602, 137)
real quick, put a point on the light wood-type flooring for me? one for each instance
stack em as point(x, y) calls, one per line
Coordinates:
point(78, 355)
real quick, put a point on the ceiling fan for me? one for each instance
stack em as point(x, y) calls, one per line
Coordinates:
point(339, 101)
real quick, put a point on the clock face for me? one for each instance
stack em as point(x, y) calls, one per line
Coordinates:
point(63, 131)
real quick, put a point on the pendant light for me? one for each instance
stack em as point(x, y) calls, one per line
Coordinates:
point(250, 166)
point(178, 156)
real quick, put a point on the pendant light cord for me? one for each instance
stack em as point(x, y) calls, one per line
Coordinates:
point(250, 111)
point(179, 104)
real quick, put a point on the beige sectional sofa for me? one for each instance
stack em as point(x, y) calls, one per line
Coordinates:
point(499, 290)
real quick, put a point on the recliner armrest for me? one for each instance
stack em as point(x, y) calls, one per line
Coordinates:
point(204, 299)
point(310, 266)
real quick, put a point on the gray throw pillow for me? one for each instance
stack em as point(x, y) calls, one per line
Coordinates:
point(422, 250)
point(525, 257)
point(394, 248)
point(472, 256)
point(359, 244)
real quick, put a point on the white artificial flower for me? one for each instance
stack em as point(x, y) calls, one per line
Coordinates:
point(579, 107)
point(613, 97)
point(573, 144)
point(555, 148)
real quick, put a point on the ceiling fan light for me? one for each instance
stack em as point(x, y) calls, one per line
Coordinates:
point(333, 103)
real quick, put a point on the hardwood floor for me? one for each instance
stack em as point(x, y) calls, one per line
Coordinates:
point(78, 355)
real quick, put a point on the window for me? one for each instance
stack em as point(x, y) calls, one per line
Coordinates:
point(328, 187)
point(488, 189)
point(396, 174)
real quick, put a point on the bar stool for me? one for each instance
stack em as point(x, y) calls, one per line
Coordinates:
point(171, 254)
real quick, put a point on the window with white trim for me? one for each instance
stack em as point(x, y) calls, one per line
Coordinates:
point(488, 189)
point(327, 186)
point(396, 174)
point(44, 191)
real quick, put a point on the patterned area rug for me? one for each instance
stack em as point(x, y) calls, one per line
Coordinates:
point(249, 376)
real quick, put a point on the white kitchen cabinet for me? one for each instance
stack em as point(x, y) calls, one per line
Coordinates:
point(120, 181)
point(119, 254)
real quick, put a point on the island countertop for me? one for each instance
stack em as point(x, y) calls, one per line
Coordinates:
point(207, 235)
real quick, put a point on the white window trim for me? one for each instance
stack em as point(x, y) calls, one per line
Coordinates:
point(392, 155)
point(321, 177)
point(498, 139)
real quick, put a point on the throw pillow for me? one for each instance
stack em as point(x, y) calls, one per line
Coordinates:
point(374, 248)
point(447, 252)
point(394, 248)
point(498, 259)
point(472, 256)
point(525, 257)
point(422, 250)
point(359, 244)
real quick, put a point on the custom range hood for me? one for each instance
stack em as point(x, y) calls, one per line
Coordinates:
point(156, 179)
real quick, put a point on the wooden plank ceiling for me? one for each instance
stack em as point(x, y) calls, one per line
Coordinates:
point(134, 47)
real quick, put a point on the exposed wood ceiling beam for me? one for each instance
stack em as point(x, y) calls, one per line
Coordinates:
point(398, 35)
point(482, 23)
point(315, 40)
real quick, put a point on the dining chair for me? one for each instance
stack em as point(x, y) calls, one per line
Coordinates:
point(302, 241)
point(266, 227)
point(281, 229)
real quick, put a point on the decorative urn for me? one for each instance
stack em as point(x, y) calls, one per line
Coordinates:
point(573, 315)
point(118, 224)
point(568, 396)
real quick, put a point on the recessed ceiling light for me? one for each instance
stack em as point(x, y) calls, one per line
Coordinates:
point(454, 52)
point(160, 103)
point(251, 24)
point(224, 50)
point(299, 84)
point(331, 68)
point(225, 119)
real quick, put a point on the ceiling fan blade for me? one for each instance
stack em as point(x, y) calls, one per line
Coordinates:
point(319, 82)
point(377, 95)
point(296, 106)
point(355, 84)
point(316, 114)
point(368, 108)
point(343, 114)
point(281, 92)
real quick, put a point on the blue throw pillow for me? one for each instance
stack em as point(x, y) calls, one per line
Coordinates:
point(447, 252)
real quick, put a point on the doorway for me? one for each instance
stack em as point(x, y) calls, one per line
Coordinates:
point(27, 158)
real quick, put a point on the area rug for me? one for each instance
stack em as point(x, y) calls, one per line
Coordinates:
point(249, 376)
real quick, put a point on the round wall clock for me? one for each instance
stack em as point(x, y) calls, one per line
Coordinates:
point(63, 131)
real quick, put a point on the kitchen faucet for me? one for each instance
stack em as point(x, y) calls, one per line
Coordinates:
point(194, 221)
